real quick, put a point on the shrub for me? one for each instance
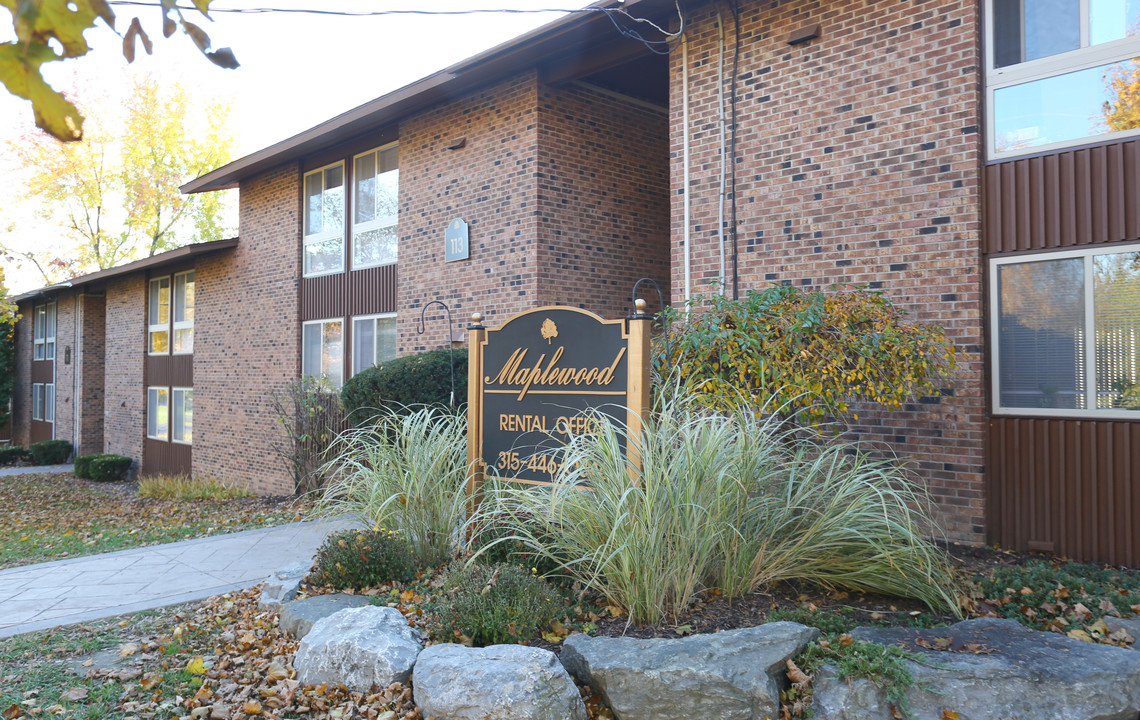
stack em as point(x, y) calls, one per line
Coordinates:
point(309, 415)
point(726, 501)
point(188, 488)
point(498, 603)
point(103, 468)
point(13, 454)
point(496, 542)
point(407, 472)
point(405, 383)
point(356, 559)
point(50, 452)
point(803, 352)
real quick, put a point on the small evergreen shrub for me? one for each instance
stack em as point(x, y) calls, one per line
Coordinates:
point(423, 379)
point(13, 454)
point(494, 542)
point(356, 559)
point(102, 467)
point(498, 603)
point(50, 452)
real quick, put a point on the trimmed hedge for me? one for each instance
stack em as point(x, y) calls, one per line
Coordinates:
point(13, 454)
point(50, 452)
point(423, 379)
point(103, 468)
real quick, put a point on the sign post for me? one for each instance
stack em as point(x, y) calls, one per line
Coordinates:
point(545, 376)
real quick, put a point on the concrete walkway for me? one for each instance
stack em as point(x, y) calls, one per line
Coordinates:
point(37, 470)
point(35, 597)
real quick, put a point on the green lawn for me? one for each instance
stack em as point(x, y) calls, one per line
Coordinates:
point(51, 517)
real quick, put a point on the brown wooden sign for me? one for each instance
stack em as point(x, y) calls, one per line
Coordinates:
point(538, 380)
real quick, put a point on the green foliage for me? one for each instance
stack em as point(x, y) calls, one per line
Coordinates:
point(731, 501)
point(1044, 595)
point(407, 472)
point(189, 488)
point(7, 350)
point(41, 27)
point(883, 665)
point(50, 452)
point(805, 352)
point(499, 603)
point(404, 383)
point(309, 416)
point(357, 559)
point(107, 468)
point(13, 454)
point(496, 542)
point(828, 623)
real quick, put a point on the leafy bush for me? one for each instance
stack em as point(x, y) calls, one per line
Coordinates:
point(356, 559)
point(404, 383)
point(408, 472)
point(13, 454)
point(50, 452)
point(309, 415)
point(188, 488)
point(805, 353)
point(498, 603)
point(102, 468)
point(496, 542)
point(725, 500)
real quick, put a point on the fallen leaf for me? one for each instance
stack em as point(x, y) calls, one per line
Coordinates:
point(795, 675)
point(551, 637)
point(276, 671)
point(1078, 634)
point(128, 649)
point(846, 639)
point(1080, 612)
point(12, 712)
point(150, 680)
point(75, 694)
point(949, 715)
point(196, 666)
point(252, 707)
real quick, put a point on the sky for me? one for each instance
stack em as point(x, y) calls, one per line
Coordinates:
point(297, 70)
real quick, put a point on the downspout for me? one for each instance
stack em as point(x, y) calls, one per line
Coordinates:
point(75, 365)
point(723, 279)
point(685, 164)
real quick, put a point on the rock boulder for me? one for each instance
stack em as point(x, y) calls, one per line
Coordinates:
point(297, 617)
point(281, 587)
point(360, 647)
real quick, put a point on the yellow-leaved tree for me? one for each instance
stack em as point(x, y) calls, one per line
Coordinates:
point(115, 194)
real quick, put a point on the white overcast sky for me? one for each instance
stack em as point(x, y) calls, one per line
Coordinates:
point(297, 70)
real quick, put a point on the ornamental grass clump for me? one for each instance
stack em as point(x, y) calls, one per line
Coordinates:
point(725, 500)
point(408, 472)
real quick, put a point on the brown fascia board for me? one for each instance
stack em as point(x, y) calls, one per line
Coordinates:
point(155, 261)
point(582, 29)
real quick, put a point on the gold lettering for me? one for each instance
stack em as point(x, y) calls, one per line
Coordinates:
point(606, 376)
point(511, 365)
point(513, 372)
point(503, 423)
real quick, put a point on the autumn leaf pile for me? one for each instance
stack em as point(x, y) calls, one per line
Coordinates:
point(48, 517)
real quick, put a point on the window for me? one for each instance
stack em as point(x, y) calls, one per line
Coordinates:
point(37, 401)
point(158, 320)
point(375, 185)
point(184, 313)
point(43, 332)
point(157, 413)
point(49, 402)
point(1061, 72)
point(324, 220)
point(182, 415)
point(1067, 336)
point(373, 341)
point(322, 351)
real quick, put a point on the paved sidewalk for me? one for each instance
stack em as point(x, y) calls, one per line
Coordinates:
point(75, 590)
point(37, 470)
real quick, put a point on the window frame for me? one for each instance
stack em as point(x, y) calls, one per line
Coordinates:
point(38, 402)
point(373, 317)
point(176, 325)
point(378, 223)
point(174, 391)
point(150, 412)
point(343, 362)
point(154, 328)
point(1090, 384)
point(307, 239)
point(1082, 58)
point(43, 342)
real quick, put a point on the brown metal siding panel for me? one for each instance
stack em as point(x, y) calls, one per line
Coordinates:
point(323, 297)
point(372, 290)
point(182, 371)
point(43, 371)
point(1072, 487)
point(158, 371)
point(165, 458)
point(40, 431)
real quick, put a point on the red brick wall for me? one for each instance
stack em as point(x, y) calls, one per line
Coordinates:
point(22, 387)
point(858, 162)
point(491, 184)
point(124, 422)
point(89, 358)
point(603, 199)
point(246, 337)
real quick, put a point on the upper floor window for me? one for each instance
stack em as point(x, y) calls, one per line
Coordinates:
point(324, 220)
point(43, 331)
point(163, 321)
point(322, 350)
point(1067, 333)
point(1061, 72)
point(375, 192)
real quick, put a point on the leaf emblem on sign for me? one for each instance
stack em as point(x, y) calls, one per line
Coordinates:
point(549, 330)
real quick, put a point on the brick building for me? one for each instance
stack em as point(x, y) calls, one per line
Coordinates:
point(977, 161)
